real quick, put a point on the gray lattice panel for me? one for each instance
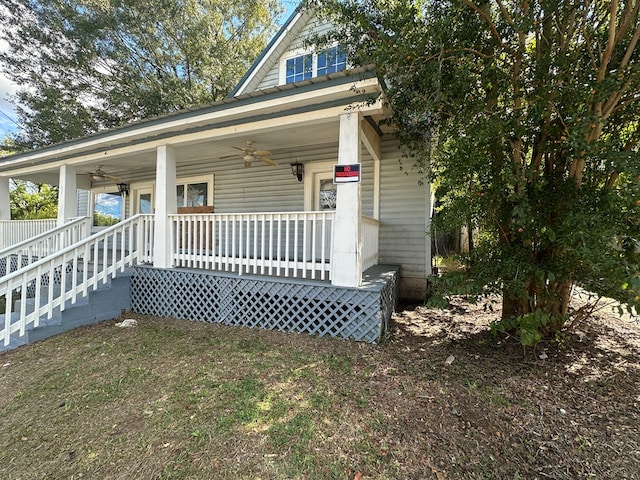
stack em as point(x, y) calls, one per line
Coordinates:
point(307, 307)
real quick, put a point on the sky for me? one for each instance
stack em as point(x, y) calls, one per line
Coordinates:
point(7, 114)
point(8, 117)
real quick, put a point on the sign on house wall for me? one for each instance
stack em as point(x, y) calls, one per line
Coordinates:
point(346, 173)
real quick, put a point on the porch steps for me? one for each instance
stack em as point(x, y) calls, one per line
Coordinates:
point(105, 303)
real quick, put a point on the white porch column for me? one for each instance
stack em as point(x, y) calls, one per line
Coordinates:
point(166, 204)
point(67, 194)
point(5, 208)
point(346, 259)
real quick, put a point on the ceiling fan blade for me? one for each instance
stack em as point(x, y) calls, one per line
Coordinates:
point(262, 153)
point(273, 163)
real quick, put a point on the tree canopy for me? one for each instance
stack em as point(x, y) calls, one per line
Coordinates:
point(29, 201)
point(524, 114)
point(86, 65)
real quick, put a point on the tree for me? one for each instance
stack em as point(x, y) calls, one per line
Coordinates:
point(86, 65)
point(525, 114)
point(29, 201)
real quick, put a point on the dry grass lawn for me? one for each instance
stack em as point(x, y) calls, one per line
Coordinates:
point(173, 399)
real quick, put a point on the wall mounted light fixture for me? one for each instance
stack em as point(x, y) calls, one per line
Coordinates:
point(297, 169)
point(123, 188)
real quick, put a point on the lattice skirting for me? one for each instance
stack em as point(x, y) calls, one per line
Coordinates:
point(276, 304)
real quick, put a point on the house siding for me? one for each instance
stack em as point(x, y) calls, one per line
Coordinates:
point(263, 188)
point(404, 203)
point(404, 238)
point(83, 203)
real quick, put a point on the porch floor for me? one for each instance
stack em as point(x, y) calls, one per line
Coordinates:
point(274, 303)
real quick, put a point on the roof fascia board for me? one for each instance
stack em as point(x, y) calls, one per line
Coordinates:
point(344, 89)
point(268, 121)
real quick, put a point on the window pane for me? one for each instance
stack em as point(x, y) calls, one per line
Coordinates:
point(332, 60)
point(196, 195)
point(328, 194)
point(299, 68)
point(145, 203)
point(107, 209)
point(180, 195)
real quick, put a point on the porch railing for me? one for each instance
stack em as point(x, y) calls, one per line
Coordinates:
point(295, 244)
point(58, 280)
point(370, 230)
point(38, 246)
point(13, 232)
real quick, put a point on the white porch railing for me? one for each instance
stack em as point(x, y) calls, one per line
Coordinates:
point(294, 244)
point(13, 232)
point(59, 279)
point(370, 230)
point(31, 250)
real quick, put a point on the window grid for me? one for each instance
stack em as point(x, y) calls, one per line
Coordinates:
point(308, 65)
point(299, 68)
point(331, 60)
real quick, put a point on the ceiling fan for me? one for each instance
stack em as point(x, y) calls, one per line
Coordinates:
point(99, 175)
point(251, 153)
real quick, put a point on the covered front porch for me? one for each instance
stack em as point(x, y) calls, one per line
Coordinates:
point(297, 250)
point(263, 220)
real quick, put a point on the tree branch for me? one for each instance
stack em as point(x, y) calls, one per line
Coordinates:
point(611, 42)
point(488, 21)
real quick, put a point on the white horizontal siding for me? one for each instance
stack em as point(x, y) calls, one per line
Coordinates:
point(83, 203)
point(262, 188)
point(403, 209)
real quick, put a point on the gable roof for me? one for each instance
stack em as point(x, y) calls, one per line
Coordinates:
point(272, 52)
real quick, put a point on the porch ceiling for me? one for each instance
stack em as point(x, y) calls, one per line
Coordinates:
point(286, 144)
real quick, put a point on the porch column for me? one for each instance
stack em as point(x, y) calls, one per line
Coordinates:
point(166, 205)
point(67, 194)
point(5, 209)
point(346, 258)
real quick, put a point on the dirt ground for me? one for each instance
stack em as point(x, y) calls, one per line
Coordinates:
point(568, 409)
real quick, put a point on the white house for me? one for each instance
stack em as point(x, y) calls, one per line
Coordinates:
point(282, 206)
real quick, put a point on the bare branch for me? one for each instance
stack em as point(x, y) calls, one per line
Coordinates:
point(611, 42)
point(631, 47)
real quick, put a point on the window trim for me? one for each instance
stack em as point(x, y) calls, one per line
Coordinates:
point(208, 179)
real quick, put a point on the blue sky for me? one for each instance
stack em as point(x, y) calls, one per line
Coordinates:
point(7, 114)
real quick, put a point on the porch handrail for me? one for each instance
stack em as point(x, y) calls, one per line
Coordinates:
point(289, 244)
point(71, 272)
point(32, 249)
point(16, 231)
point(370, 242)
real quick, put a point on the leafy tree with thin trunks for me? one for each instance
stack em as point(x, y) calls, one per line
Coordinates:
point(524, 113)
point(87, 65)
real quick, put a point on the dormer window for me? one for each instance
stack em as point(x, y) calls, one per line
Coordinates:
point(308, 65)
point(299, 68)
point(331, 60)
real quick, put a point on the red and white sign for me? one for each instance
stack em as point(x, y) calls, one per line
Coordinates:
point(346, 173)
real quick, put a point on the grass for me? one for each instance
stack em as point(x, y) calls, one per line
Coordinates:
point(174, 399)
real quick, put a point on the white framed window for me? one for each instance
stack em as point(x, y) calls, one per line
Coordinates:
point(319, 190)
point(194, 191)
point(331, 60)
point(299, 65)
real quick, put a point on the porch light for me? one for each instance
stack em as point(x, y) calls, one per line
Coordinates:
point(123, 188)
point(298, 170)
